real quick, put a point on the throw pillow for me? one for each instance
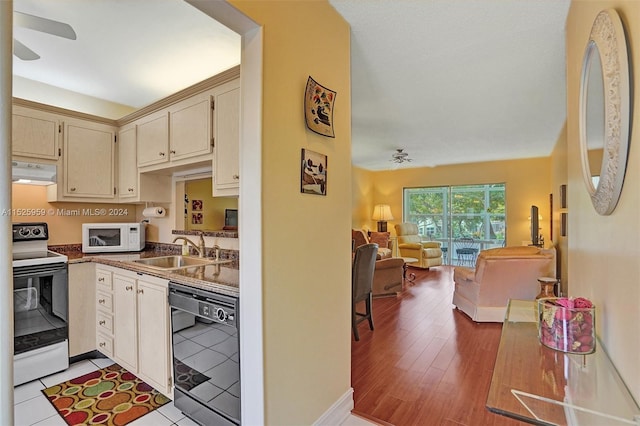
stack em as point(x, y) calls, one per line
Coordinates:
point(380, 238)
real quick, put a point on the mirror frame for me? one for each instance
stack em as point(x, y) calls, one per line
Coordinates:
point(608, 39)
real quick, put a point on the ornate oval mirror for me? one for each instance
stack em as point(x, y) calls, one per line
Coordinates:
point(604, 111)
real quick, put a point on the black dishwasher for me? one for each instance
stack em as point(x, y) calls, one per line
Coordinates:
point(206, 355)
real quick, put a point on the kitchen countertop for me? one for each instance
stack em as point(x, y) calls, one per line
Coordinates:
point(221, 278)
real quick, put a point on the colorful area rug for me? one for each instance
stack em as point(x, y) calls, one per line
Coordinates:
point(110, 396)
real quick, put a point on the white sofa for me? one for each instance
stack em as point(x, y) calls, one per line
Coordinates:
point(501, 274)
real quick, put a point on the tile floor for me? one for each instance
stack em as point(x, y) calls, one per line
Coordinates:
point(32, 407)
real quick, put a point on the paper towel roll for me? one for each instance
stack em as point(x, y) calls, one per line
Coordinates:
point(153, 212)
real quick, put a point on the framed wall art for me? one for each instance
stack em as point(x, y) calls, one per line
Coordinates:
point(563, 224)
point(313, 173)
point(563, 196)
point(318, 108)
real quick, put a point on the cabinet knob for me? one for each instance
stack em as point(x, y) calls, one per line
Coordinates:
point(102, 322)
point(173, 151)
point(129, 288)
point(161, 154)
point(130, 189)
point(141, 291)
point(102, 344)
point(236, 177)
point(101, 279)
point(72, 189)
point(101, 301)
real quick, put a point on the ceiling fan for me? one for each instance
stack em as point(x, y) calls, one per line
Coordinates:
point(37, 23)
point(400, 157)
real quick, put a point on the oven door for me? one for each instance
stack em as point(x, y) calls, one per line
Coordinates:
point(40, 306)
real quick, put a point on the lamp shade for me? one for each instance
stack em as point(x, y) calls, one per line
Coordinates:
point(382, 212)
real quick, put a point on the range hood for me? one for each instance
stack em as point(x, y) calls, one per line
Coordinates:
point(33, 173)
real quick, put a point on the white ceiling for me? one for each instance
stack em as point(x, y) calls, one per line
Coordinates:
point(455, 81)
point(130, 52)
point(449, 81)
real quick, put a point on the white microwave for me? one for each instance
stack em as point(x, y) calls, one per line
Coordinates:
point(112, 237)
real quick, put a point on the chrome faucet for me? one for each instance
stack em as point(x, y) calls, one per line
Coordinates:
point(217, 251)
point(199, 247)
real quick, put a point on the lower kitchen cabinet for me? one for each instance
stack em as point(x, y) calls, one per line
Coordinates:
point(82, 315)
point(141, 326)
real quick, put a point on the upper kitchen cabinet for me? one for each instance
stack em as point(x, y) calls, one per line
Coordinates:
point(190, 127)
point(127, 167)
point(134, 186)
point(88, 156)
point(35, 134)
point(177, 135)
point(153, 139)
point(226, 162)
point(88, 160)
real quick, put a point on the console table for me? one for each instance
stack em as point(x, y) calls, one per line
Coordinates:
point(539, 385)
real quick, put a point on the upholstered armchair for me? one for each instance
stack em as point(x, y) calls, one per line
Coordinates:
point(410, 244)
point(361, 237)
point(501, 274)
point(387, 277)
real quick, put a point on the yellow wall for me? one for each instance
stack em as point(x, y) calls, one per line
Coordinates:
point(64, 219)
point(604, 250)
point(559, 177)
point(306, 254)
point(212, 208)
point(362, 198)
point(528, 182)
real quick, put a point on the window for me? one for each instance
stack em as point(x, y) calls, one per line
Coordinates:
point(447, 213)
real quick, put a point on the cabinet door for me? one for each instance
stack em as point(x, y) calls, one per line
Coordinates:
point(35, 134)
point(82, 309)
point(153, 139)
point(88, 160)
point(153, 334)
point(190, 127)
point(125, 347)
point(226, 167)
point(127, 164)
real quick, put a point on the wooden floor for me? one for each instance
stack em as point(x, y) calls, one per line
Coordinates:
point(425, 363)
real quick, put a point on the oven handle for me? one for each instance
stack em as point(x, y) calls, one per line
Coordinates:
point(47, 269)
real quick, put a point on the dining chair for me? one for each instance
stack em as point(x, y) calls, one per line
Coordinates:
point(466, 251)
point(364, 263)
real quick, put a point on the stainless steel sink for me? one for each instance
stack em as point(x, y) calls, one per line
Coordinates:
point(169, 263)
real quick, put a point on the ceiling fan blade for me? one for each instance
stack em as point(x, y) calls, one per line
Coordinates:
point(44, 25)
point(23, 52)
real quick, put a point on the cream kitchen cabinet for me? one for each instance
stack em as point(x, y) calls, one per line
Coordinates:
point(88, 158)
point(134, 186)
point(127, 166)
point(153, 139)
point(190, 127)
point(35, 133)
point(104, 310)
point(177, 135)
point(140, 326)
point(82, 315)
point(226, 162)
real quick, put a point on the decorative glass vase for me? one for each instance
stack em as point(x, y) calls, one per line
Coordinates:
point(567, 325)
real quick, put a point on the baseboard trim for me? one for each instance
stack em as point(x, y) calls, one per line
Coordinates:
point(338, 413)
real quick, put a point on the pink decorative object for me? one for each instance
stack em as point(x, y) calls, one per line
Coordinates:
point(567, 325)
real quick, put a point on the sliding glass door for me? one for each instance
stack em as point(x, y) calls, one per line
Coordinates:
point(466, 219)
